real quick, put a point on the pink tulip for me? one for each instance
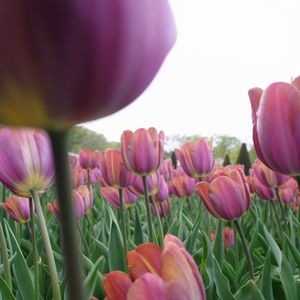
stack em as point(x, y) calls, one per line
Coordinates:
point(142, 150)
point(26, 161)
point(182, 185)
point(261, 190)
point(87, 196)
point(276, 130)
point(288, 191)
point(152, 182)
point(163, 190)
point(227, 196)
point(163, 208)
point(228, 236)
point(196, 158)
point(79, 176)
point(65, 63)
point(88, 159)
point(113, 169)
point(17, 208)
point(166, 169)
point(267, 176)
point(111, 195)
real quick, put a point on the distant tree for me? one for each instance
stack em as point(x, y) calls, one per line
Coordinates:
point(174, 160)
point(226, 161)
point(223, 144)
point(243, 158)
point(81, 137)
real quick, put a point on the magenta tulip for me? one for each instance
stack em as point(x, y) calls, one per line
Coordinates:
point(67, 62)
point(26, 161)
point(142, 150)
point(182, 184)
point(196, 158)
point(152, 182)
point(276, 129)
point(227, 196)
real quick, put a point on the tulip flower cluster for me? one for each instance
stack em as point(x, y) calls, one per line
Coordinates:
point(167, 274)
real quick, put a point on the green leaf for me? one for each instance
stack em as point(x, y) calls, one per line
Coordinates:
point(288, 281)
point(5, 292)
point(266, 278)
point(91, 280)
point(116, 260)
point(218, 248)
point(138, 231)
point(222, 283)
point(20, 268)
point(294, 251)
point(274, 247)
point(249, 291)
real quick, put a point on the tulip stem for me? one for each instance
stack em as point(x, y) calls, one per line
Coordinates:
point(161, 230)
point(35, 252)
point(67, 221)
point(150, 229)
point(164, 215)
point(48, 247)
point(5, 259)
point(283, 215)
point(123, 226)
point(246, 249)
point(278, 222)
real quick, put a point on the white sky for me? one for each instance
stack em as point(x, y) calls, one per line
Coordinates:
point(223, 49)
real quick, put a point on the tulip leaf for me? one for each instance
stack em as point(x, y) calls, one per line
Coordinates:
point(288, 281)
point(274, 247)
point(20, 268)
point(138, 231)
point(92, 278)
point(5, 292)
point(294, 251)
point(249, 291)
point(116, 260)
point(222, 283)
point(191, 239)
point(218, 248)
point(266, 278)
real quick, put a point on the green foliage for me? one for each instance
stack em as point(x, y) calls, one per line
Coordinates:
point(226, 161)
point(84, 138)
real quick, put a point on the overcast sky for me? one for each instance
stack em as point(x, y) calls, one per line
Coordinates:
point(223, 49)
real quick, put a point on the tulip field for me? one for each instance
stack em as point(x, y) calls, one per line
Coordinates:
point(131, 223)
point(147, 227)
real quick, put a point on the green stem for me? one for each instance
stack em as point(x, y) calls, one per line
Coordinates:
point(123, 226)
point(48, 247)
point(68, 224)
point(150, 229)
point(87, 216)
point(246, 249)
point(165, 215)
point(83, 240)
point(161, 231)
point(5, 259)
point(35, 253)
point(208, 226)
point(278, 222)
point(283, 215)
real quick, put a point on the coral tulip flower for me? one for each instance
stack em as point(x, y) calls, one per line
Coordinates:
point(142, 150)
point(111, 195)
point(276, 129)
point(227, 196)
point(26, 161)
point(183, 185)
point(288, 191)
point(17, 208)
point(152, 182)
point(68, 62)
point(228, 236)
point(196, 158)
point(113, 169)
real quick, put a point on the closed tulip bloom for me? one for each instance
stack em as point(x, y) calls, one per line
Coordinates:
point(227, 196)
point(66, 62)
point(261, 190)
point(142, 150)
point(183, 186)
point(111, 195)
point(228, 236)
point(18, 208)
point(116, 285)
point(267, 176)
point(113, 169)
point(79, 206)
point(277, 145)
point(88, 159)
point(79, 176)
point(196, 158)
point(152, 182)
point(288, 191)
point(26, 161)
point(163, 190)
point(163, 208)
point(166, 169)
point(87, 196)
